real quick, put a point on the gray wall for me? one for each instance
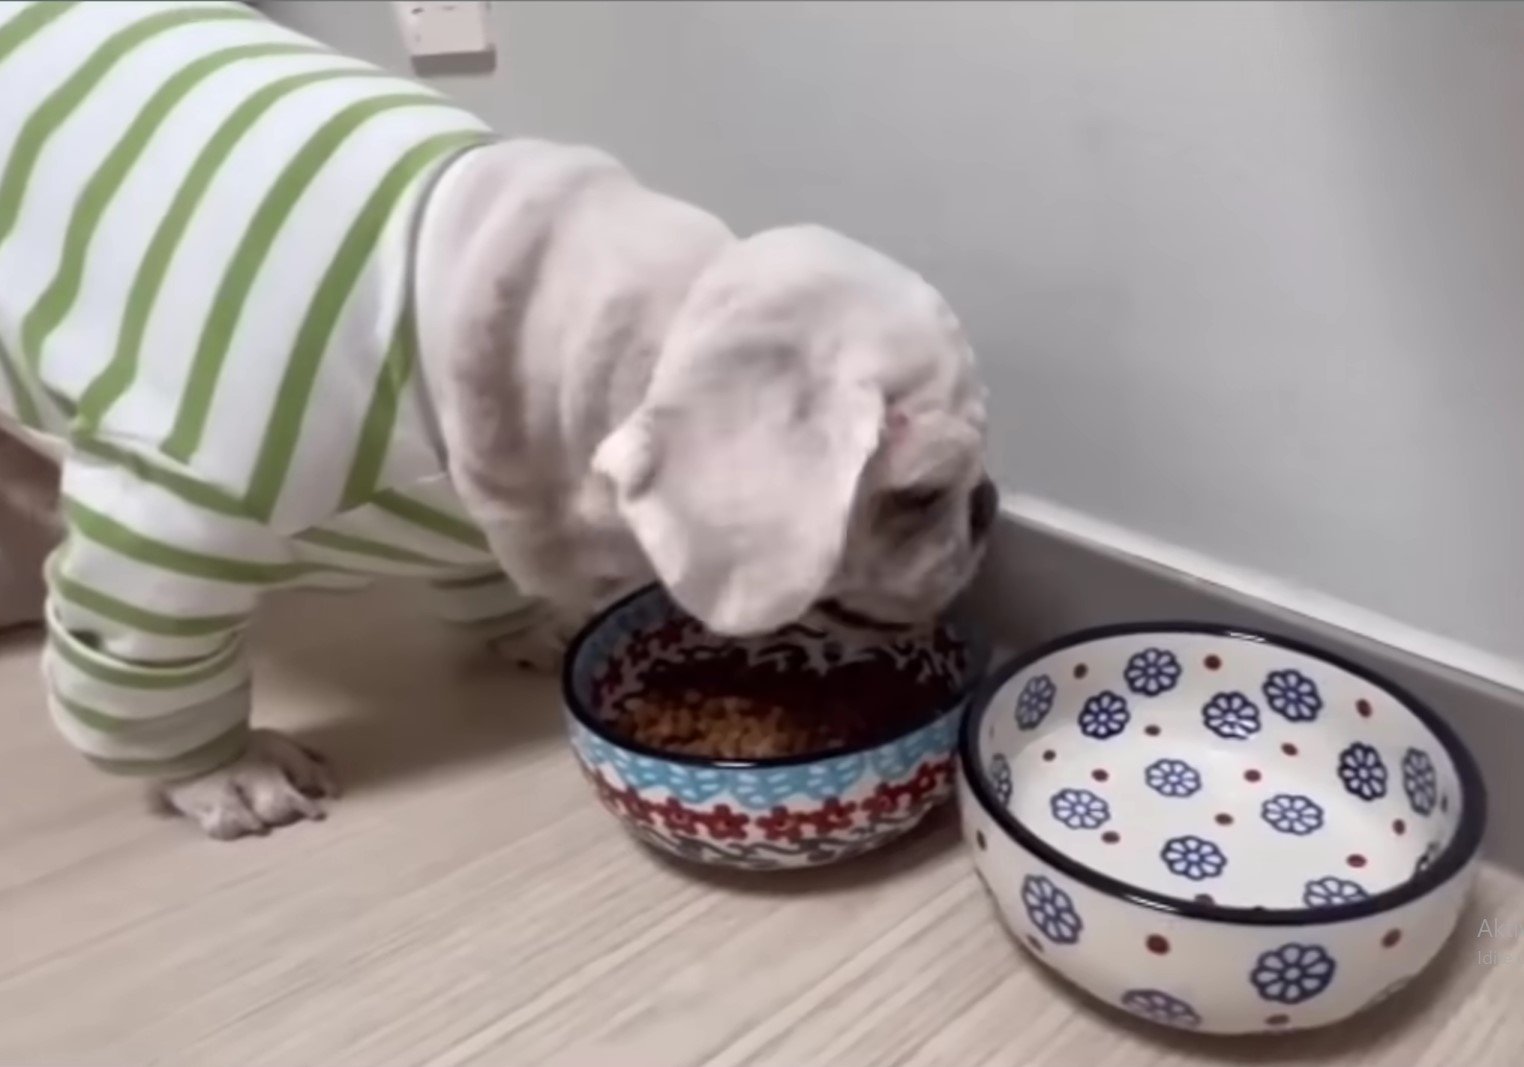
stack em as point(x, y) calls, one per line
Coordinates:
point(1248, 279)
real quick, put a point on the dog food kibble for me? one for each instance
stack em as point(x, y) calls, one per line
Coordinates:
point(731, 727)
point(714, 710)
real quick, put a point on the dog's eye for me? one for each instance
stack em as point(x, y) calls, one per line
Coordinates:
point(914, 500)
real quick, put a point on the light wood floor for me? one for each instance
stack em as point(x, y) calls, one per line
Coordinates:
point(469, 903)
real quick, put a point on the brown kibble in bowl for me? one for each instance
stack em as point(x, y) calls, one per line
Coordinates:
point(712, 711)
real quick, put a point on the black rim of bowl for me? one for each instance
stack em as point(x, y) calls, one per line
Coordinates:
point(977, 650)
point(1457, 854)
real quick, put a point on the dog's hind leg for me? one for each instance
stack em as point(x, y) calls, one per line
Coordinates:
point(520, 630)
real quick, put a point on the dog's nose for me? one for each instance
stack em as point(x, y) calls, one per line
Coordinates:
point(983, 502)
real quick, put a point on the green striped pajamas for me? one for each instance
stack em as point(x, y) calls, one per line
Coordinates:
point(205, 232)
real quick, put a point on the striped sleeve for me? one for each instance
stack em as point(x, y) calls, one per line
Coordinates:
point(141, 692)
point(148, 600)
point(163, 720)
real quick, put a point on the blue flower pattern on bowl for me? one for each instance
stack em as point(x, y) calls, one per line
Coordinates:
point(1419, 781)
point(1104, 716)
point(898, 759)
point(1232, 716)
point(1000, 777)
point(1311, 822)
point(1293, 972)
point(1152, 671)
point(1035, 701)
point(1331, 890)
point(1051, 910)
point(1161, 1007)
point(763, 788)
point(1292, 694)
point(691, 785)
point(1172, 778)
point(1193, 857)
point(1079, 809)
point(1362, 771)
point(1292, 813)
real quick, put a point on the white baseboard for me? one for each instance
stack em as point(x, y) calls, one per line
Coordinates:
point(1051, 571)
point(1285, 596)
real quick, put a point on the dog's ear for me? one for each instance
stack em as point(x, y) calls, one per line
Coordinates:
point(738, 472)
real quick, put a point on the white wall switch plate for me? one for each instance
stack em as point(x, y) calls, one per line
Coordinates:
point(439, 28)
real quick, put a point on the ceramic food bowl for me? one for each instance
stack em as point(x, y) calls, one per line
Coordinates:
point(763, 813)
point(1218, 830)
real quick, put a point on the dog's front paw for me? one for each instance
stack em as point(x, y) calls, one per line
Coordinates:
point(274, 783)
point(541, 646)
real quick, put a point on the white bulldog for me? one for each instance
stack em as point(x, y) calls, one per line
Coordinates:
point(618, 389)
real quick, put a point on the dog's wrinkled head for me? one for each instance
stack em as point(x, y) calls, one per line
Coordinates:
point(812, 436)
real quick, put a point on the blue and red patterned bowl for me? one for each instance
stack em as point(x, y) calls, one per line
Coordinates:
point(1218, 830)
point(759, 814)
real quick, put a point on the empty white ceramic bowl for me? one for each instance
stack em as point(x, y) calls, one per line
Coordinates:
point(1218, 830)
